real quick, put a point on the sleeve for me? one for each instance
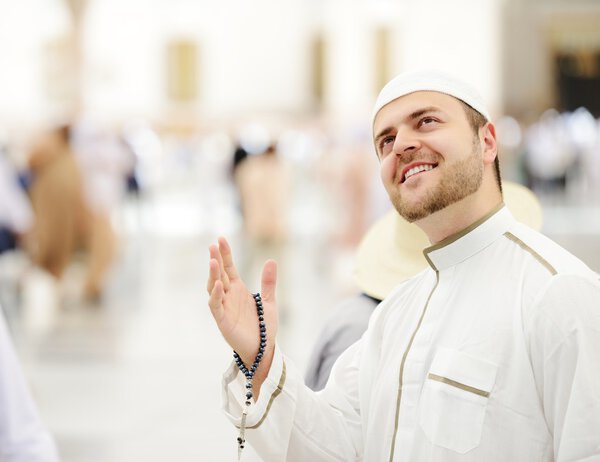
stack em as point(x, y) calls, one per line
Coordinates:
point(23, 438)
point(565, 346)
point(291, 422)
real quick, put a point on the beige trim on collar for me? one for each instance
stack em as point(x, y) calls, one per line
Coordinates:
point(456, 236)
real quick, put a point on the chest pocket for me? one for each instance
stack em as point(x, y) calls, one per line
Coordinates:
point(454, 399)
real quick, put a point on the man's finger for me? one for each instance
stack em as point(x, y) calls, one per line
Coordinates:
point(213, 274)
point(225, 252)
point(216, 254)
point(215, 301)
point(269, 280)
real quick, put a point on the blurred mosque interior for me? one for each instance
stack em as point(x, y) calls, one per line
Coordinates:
point(134, 133)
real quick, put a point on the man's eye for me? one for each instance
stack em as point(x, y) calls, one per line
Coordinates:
point(385, 145)
point(426, 121)
point(387, 140)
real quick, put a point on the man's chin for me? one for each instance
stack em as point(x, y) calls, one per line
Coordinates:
point(412, 213)
point(416, 211)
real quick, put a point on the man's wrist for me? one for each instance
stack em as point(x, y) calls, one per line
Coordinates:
point(263, 370)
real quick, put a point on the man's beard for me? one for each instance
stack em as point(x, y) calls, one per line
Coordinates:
point(460, 180)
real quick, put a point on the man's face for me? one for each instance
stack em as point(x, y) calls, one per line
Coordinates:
point(430, 157)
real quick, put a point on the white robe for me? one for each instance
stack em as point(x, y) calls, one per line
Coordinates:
point(23, 437)
point(491, 354)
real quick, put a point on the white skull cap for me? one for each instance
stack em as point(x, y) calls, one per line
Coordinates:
point(429, 80)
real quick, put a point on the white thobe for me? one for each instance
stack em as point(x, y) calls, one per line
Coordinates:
point(491, 354)
point(23, 437)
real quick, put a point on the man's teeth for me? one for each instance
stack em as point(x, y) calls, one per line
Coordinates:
point(418, 169)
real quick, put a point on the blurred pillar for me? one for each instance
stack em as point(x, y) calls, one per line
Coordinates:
point(76, 59)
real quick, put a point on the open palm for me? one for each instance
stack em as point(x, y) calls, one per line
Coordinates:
point(232, 304)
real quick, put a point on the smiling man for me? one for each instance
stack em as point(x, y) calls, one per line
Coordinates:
point(489, 354)
point(435, 151)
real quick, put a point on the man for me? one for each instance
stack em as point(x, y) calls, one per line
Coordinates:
point(488, 354)
point(262, 182)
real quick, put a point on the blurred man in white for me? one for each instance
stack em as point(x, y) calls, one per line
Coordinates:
point(105, 164)
point(23, 437)
point(489, 354)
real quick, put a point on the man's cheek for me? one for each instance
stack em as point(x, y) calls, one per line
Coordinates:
point(388, 169)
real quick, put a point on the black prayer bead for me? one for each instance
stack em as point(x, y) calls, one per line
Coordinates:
point(240, 364)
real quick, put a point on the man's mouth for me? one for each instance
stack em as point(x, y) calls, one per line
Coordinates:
point(416, 169)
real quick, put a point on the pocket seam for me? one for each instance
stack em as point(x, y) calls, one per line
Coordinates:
point(461, 386)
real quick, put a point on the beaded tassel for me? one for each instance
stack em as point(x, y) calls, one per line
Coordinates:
point(249, 373)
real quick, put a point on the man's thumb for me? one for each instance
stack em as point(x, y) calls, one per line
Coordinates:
point(269, 280)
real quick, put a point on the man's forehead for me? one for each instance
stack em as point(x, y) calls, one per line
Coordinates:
point(417, 103)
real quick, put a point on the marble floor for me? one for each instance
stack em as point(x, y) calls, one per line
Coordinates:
point(137, 376)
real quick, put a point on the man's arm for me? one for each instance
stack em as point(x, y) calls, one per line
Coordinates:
point(565, 346)
point(291, 422)
point(288, 421)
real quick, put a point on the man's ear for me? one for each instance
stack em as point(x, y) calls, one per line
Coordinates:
point(487, 136)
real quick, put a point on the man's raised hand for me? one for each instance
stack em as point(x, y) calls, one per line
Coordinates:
point(234, 309)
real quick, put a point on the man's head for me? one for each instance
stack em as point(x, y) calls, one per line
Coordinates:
point(434, 142)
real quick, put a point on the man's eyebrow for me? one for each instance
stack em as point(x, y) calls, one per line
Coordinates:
point(419, 112)
point(383, 133)
point(412, 116)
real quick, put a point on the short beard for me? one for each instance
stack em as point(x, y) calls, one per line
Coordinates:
point(460, 180)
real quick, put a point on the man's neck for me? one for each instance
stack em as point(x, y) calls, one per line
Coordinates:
point(458, 216)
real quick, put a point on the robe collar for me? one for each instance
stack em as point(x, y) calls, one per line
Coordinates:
point(471, 240)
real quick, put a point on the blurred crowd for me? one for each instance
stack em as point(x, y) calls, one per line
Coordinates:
point(556, 154)
point(60, 192)
point(57, 200)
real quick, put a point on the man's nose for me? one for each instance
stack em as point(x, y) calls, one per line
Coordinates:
point(406, 141)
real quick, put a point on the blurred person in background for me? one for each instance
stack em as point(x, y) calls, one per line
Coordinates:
point(390, 252)
point(239, 156)
point(549, 154)
point(582, 129)
point(354, 188)
point(23, 437)
point(263, 185)
point(16, 214)
point(56, 192)
point(490, 353)
point(132, 179)
point(106, 164)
